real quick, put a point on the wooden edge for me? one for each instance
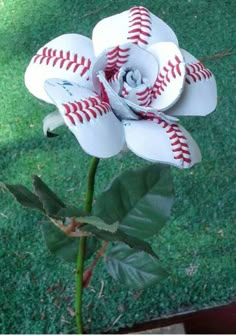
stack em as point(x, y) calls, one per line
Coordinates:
point(186, 318)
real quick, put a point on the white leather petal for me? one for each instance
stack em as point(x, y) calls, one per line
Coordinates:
point(159, 141)
point(89, 118)
point(127, 56)
point(199, 96)
point(137, 25)
point(170, 80)
point(52, 121)
point(141, 95)
point(68, 56)
point(117, 103)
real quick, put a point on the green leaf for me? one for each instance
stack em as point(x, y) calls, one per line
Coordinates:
point(51, 203)
point(70, 211)
point(64, 246)
point(92, 245)
point(24, 196)
point(136, 270)
point(80, 216)
point(59, 243)
point(140, 200)
point(99, 223)
point(119, 236)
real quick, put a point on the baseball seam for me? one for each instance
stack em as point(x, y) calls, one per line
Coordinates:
point(196, 72)
point(140, 26)
point(125, 90)
point(144, 96)
point(169, 72)
point(64, 59)
point(116, 58)
point(178, 141)
point(85, 109)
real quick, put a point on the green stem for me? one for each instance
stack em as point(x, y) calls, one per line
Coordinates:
point(82, 247)
point(79, 285)
point(91, 182)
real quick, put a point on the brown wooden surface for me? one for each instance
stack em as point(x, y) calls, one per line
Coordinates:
point(219, 320)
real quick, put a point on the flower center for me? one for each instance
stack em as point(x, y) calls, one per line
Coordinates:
point(133, 78)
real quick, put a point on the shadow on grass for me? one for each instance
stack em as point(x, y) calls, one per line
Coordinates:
point(19, 149)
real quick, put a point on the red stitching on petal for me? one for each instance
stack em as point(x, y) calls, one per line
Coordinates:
point(116, 58)
point(85, 109)
point(74, 110)
point(65, 60)
point(144, 97)
point(138, 30)
point(169, 71)
point(178, 140)
point(124, 92)
point(196, 72)
point(145, 22)
point(114, 77)
point(140, 26)
point(68, 113)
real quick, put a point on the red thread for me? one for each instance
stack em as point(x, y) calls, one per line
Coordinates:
point(65, 60)
point(196, 72)
point(85, 109)
point(114, 77)
point(144, 97)
point(177, 139)
point(170, 70)
point(104, 94)
point(116, 58)
point(139, 26)
point(124, 92)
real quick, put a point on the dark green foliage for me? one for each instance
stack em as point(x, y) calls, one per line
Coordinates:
point(133, 242)
point(59, 243)
point(134, 207)
point(50, 201)
point(140, 200)
point(25, 197)
point(66, 247)
point(136, 270)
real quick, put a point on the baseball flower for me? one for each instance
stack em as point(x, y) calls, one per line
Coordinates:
point(126, 85)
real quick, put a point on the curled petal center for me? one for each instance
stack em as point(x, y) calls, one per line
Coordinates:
point(133, 78)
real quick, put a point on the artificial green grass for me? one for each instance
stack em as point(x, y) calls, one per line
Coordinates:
point(198, 245)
